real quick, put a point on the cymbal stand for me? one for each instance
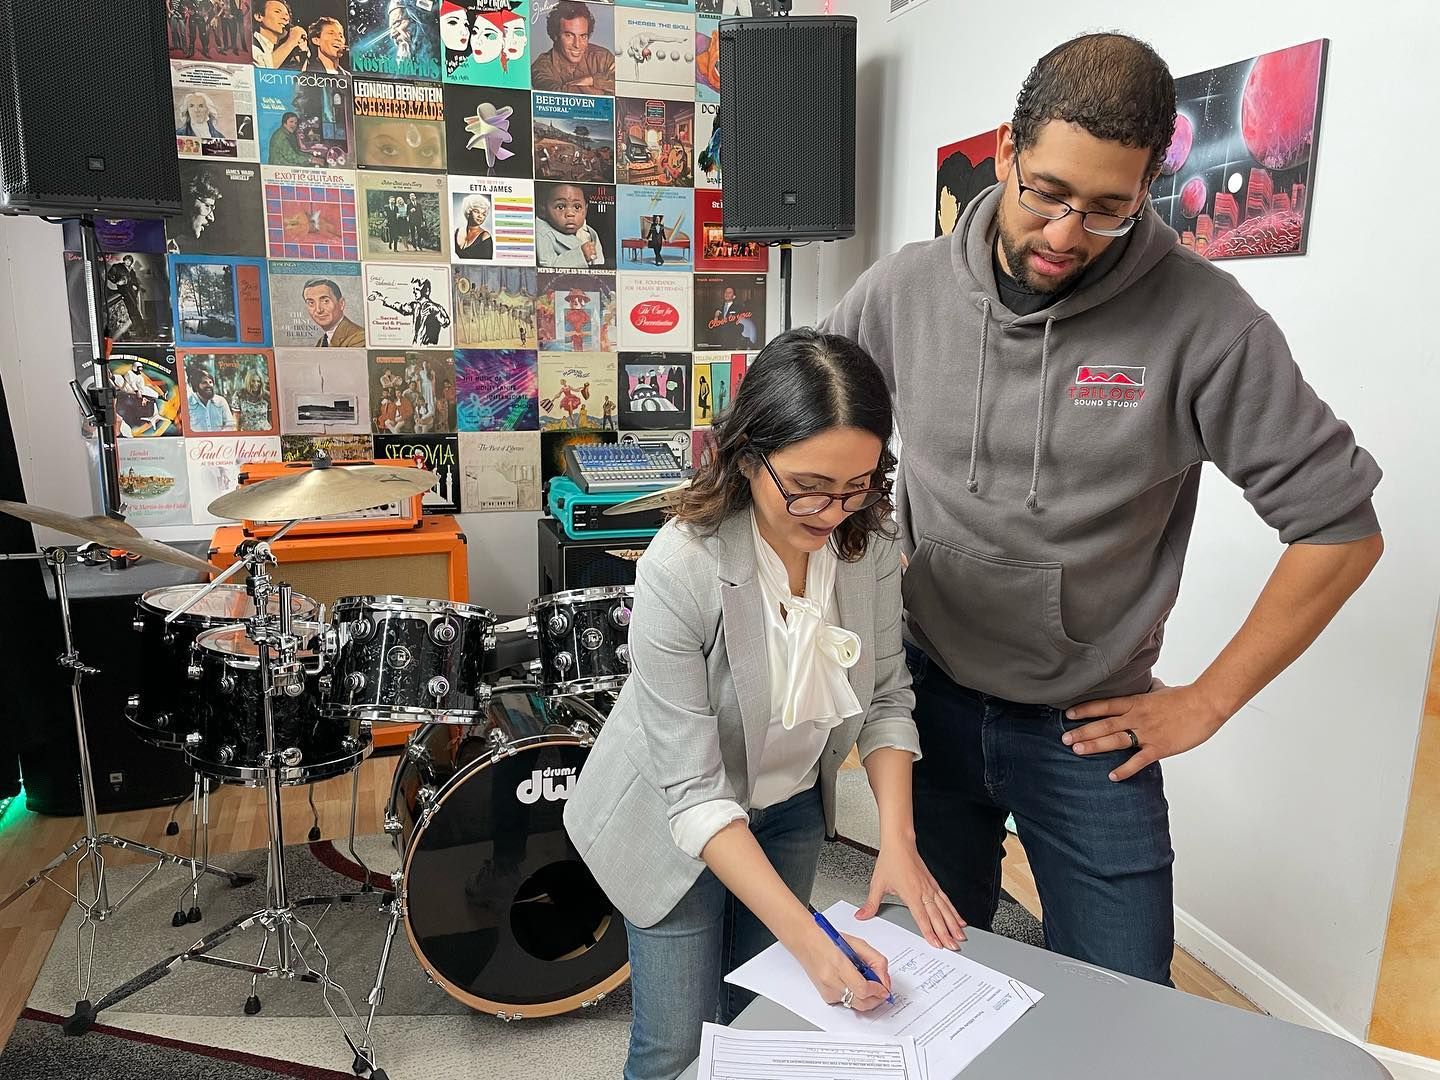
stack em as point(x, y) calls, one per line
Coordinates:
point(281, 672)
point(94, 903)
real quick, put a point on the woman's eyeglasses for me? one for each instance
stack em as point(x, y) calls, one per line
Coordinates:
point(810, 503)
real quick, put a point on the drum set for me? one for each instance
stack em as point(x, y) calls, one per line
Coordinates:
point(255, 686)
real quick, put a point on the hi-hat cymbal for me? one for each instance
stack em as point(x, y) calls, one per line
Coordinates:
point(652, 500)
point(312, 493)
point(111, 532)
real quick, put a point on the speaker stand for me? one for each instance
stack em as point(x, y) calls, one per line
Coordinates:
point(98, 403)
point(787, 271)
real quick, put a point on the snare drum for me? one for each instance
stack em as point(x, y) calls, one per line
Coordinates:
point(406, 659)
point(584, 637)
point(499, 908)
point(163, 710)
point(229, 739)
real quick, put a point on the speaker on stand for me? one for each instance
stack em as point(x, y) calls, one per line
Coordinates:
point(787, 142)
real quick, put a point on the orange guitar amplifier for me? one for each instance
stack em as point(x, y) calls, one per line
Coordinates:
point(390, 518)
point(427, 561)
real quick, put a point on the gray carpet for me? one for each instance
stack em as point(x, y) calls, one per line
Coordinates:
point(420, 1032)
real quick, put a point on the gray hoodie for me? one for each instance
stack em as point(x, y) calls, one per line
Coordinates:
point(1050, 462)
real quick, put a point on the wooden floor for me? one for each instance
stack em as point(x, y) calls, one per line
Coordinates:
point(237, 823)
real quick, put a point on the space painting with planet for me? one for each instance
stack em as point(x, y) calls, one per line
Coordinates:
point(1238, 179)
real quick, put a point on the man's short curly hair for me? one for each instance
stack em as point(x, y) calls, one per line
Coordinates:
point(1114, 86)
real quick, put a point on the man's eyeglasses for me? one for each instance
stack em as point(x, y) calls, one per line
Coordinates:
point(1052, 209)
point(810, 503)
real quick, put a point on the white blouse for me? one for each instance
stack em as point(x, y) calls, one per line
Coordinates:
point(810, 691)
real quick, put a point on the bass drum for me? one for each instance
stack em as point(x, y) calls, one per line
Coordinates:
point(499, 909)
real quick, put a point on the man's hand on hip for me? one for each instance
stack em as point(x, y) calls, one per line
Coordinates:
point(1167, 721)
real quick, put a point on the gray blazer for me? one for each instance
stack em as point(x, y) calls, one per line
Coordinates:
point(690, 724)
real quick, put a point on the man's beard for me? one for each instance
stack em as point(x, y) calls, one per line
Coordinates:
point(1017, 258)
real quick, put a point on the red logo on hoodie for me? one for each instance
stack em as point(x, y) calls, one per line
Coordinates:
point(1108, 387)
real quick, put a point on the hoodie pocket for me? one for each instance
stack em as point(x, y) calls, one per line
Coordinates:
point(997, 623)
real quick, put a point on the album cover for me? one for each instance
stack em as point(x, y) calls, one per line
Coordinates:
point(222, 38)
point(654, 390)
point(577, 390)
point(398, 38)
point(656, 310)
point(336, 447)
point(655, 52)
point(707, 58)
point(137, 296)
point(487, 131)
point(305, 118)
point(486, 42)
point(229, 391)
point(214, 110)
point(439, 454)
point(654, 142)
point(412, 391)
point(154, 482)
point(492, 220)
point(148, 398)
point(574, 55)
point(707, 145)
point(574, 137)
point(399, 125)
point(654, 227)
point(214, 465)
point(500, 471)
point(298, 35)
point(702, 446)
point(317, 304)
point(662, 5)
point(496, 389)
point(122, 234)
point(407, 306)
point(494, 307)
point(575, 312)
point(222, 210)
point(323, 391)
point(219, 300)
point(713, 251)
point(717, 377)
point(310, 214)
point(678, 442)
point(738, 8)
point(406, 216)
point(730, 312)
point(574, 226)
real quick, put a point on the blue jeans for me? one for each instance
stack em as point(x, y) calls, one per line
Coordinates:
point(677, 966)
point(1100, 850)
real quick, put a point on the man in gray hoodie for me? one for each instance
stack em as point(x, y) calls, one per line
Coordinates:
point(1091, 366)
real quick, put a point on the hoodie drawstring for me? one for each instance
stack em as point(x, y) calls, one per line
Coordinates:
point(1033, 499)
point(972, 484)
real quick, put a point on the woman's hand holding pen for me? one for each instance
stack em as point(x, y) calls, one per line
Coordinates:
point(833, 973)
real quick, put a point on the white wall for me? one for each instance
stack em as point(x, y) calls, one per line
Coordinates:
point(1287, 825)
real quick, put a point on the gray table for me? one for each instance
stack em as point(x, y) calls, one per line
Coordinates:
point(1095, 1025)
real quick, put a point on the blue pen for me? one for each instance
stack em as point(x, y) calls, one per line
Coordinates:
point(850, 953)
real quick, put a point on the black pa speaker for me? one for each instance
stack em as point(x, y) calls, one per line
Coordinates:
point(86, 118)
point(787, 120)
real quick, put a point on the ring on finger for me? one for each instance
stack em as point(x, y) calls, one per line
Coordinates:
point(927, 899)
point(848, 998)
point(1134, 739)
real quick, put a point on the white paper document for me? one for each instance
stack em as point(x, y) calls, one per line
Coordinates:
point(735, 1054)
point(953, 1007)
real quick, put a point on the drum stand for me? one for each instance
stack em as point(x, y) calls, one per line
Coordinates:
point(295, 941)
point(94, 903)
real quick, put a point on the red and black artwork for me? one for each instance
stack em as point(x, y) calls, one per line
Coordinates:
point(1237, 181)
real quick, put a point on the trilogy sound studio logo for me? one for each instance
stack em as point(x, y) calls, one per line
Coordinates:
point(552, 785)
point(1108, 387)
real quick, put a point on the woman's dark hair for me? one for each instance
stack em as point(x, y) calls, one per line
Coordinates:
point(1114, 86)
point(801, 384)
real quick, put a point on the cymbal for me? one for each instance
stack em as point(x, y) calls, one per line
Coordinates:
point(313, 493)
point(651, 500)
point(110, 532)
